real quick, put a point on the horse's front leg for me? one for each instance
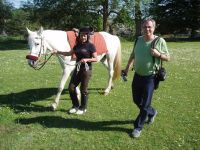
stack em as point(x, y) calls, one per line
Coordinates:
point(65, 75)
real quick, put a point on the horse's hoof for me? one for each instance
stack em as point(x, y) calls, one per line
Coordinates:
point(54, 106)
point(106, 93)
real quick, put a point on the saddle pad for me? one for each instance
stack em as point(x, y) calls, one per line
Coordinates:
point(97, 39)
point(71, 38)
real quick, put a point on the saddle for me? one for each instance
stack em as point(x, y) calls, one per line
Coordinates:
point(96, 38)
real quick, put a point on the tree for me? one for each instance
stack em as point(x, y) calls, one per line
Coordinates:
point(65, 14)
point(123, 24)
point(20, 20)
point(5, 14)
point(77, 12)
point(141, 11)
point(176, 16)
point(138, 18)
point(107, 15)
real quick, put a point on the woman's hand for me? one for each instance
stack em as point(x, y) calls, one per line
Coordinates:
point(84, 60)
point(93, 59)
point(54, 52)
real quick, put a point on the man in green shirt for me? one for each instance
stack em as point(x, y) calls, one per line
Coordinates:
point(142, 58)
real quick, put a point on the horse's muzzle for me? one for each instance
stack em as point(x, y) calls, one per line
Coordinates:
point(31, 57)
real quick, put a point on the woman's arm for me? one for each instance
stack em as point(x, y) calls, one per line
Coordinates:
point(63, 53)
point(93, 59)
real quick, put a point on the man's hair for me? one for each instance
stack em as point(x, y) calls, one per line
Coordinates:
point(149, 19)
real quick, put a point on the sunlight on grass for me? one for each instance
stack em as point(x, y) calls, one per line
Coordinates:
point(27, 123)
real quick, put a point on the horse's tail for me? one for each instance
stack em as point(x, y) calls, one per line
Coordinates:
point(117, 62)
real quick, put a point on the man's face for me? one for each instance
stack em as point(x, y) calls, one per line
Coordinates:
point(148, 28)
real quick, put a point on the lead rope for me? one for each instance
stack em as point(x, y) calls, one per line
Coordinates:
point(79, 66)
point(41, 65)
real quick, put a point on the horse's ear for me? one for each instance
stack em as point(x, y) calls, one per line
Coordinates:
point(40, 31)
point(29, 31)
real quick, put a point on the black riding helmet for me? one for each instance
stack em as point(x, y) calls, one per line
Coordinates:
point(86, 30)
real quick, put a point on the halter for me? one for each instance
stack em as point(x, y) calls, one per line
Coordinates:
point(39, 62)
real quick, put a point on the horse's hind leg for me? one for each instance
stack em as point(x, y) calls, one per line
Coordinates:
point(109, 65)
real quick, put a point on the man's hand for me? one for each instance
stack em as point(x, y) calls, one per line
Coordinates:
point(124, 75)
point(155, 52)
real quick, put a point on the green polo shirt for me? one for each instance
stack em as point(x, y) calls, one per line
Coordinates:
point(143, 60)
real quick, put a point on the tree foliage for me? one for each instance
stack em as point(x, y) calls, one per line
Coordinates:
point(64, 14)
point(20, 20)
point(120, 16)
point(176, 16)
point(5, 14)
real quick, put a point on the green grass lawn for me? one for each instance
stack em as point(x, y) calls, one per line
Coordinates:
point(26, 122)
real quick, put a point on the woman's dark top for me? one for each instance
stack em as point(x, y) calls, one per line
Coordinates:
point(84, 50)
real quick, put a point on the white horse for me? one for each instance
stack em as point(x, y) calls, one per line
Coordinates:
point(43, 42)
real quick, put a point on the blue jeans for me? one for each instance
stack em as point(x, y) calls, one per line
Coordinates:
point(142, 92)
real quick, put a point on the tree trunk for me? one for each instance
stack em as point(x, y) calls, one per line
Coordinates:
point(105, 15)
point(138, 16)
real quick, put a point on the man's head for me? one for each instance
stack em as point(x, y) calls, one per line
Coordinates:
point(148, 26)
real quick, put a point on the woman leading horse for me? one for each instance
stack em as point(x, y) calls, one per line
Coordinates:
point(85, 53)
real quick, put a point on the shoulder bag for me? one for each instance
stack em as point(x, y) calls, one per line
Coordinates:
point(161, 73)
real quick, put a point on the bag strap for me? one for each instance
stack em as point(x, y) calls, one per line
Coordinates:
point(136, 39)
point(154, 42)
point(153, 45)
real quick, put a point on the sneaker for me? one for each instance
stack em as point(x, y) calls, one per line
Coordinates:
point(136, 133)
point(73, 110)
point(81, 111)
point(152, 119)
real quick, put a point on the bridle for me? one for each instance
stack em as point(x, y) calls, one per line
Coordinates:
point(39, 60)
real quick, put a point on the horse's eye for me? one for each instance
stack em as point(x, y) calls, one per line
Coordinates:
point(36, 44)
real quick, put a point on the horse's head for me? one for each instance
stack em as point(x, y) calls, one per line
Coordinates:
point(37, 47)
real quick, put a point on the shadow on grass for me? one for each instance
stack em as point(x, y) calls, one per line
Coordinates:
point(22, 101)
point(59, 122)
